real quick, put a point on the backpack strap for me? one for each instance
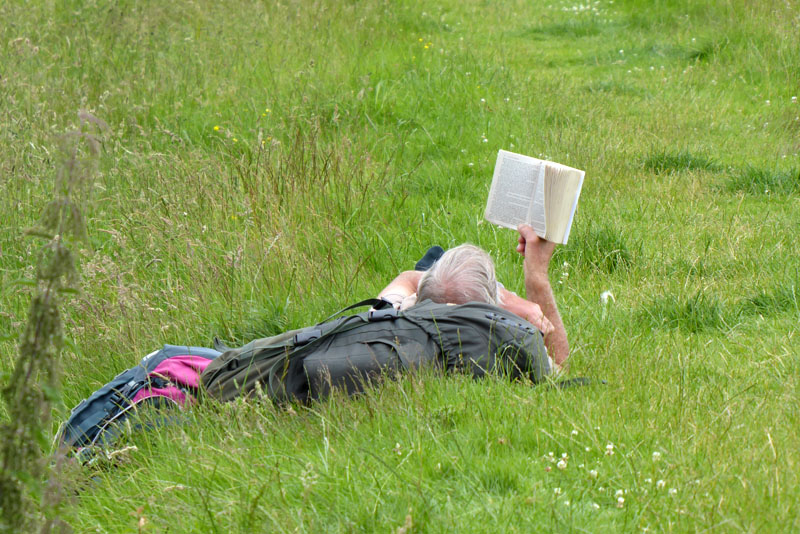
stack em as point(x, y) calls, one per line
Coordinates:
point(378, 304)
point(303, 338)
point(220, 346)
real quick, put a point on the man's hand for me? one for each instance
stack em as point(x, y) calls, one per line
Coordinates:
point(537, 253)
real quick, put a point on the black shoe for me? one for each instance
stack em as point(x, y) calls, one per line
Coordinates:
point(430, 257)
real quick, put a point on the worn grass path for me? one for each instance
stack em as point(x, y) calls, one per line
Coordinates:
point(270, 162)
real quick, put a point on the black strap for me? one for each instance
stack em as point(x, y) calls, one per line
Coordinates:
point(378, 304)
point(220, 346)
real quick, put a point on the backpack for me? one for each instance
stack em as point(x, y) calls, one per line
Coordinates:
point(352, 351)
point(166, 377)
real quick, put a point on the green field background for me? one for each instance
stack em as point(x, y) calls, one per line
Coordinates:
point(267, 163)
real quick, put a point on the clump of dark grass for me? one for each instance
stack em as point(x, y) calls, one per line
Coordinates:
point(613, 87)
point(780, 299)
point(584, 27)
point(600, 247)
point(663, 162)
point(704, 50)
point(695, 313)
point(498, 481)
point(755, 181)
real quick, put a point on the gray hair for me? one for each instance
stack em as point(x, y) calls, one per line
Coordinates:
point(463, 274)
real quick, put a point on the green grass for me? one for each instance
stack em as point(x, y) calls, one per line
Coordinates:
point(599, 247)
point(763, 181)
point(693, 313)
point(782, 298)
point(352, 136)
point(664, 163)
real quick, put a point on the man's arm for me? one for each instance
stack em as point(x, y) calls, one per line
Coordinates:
point(537, 253)
point(401, 288)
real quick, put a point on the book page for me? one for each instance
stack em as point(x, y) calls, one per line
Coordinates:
point(537, 216)
point(574, 205)
point(517, 192)
point(562, 190)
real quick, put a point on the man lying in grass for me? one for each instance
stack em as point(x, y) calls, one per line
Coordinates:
point(466, 274)
point(454, 316)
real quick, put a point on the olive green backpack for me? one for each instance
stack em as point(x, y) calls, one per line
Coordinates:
point(352, 351)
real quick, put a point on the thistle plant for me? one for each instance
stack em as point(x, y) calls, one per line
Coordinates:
point(32, 388)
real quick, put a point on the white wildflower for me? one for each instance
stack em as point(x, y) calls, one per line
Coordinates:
point(561, 464)
point(656, 456)
point(620, 502)
point(593, 473)
point(660, 484)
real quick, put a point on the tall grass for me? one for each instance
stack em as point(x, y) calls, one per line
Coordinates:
point(31, 490)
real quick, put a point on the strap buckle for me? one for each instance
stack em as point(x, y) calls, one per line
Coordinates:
point(382, 315)
point(303, 338)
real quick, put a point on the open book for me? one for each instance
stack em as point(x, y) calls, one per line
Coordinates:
point(541, 193)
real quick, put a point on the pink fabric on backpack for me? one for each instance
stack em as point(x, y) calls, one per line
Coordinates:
point(179, 370)
point(170, 392)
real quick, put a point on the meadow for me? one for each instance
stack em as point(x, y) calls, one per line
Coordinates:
point(268, 163)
